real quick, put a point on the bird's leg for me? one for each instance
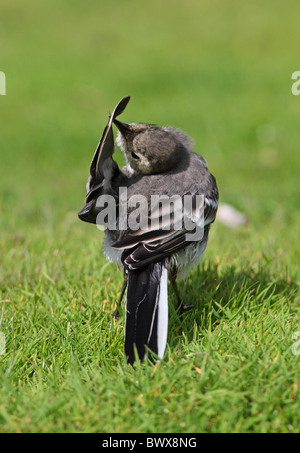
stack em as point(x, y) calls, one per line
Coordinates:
point(172, 279)
point(116, 313)
point(181, 306)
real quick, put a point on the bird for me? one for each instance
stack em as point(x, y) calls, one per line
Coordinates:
point(153, 241)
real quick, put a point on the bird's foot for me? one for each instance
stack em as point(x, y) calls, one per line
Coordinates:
point(115, 314)
point(183, 308)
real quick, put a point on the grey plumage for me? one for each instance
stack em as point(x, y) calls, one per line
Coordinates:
point(160, 161)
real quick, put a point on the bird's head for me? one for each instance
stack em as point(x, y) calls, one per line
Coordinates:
point(148, 149)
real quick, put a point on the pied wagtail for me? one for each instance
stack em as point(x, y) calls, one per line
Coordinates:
point(159, 161)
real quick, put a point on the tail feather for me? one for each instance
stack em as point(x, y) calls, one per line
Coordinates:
point(146, 311)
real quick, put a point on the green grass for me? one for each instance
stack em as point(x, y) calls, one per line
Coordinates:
point(221, 71)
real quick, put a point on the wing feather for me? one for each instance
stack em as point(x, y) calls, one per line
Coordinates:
point(161, 238)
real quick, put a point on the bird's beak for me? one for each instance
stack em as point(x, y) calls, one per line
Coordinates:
point(123, 127)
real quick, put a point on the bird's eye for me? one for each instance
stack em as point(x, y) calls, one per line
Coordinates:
point(134, 155)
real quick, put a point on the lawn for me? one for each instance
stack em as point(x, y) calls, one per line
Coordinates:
point(222, 72)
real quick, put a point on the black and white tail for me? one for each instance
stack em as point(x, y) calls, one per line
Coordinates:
point(146, 311)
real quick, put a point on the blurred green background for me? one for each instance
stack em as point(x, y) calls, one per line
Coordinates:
point(219, 70)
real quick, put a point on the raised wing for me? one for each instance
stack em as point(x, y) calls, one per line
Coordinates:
point(102, 166)
point(104, 150)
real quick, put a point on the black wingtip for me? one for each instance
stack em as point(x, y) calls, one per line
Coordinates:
point(121, 106)
point(88, 212)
